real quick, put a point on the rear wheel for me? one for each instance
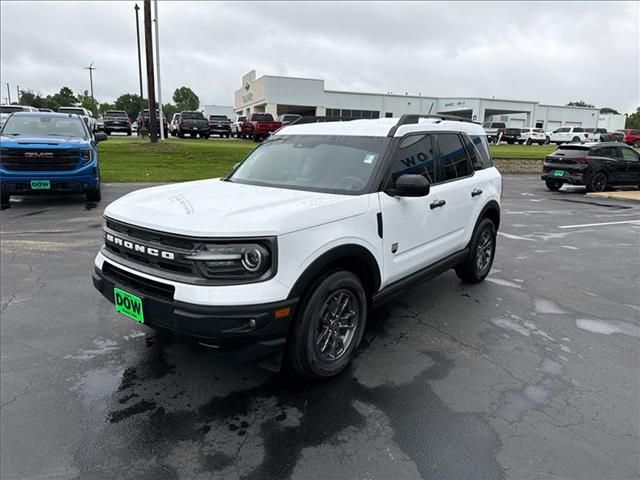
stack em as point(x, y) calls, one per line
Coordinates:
point(547, 140)
point(598, 182)
point(329, 326)
point(553, 185)
point(575, 140)
point(94, 195)
point(480, 259)
point(4, 199)
point(529, 141)
point(128, 133)
point(636, 143)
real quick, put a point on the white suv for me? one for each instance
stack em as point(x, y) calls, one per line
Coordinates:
point(567, 135)
point(319, 224)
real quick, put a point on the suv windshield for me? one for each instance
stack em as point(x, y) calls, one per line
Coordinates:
point(9, 109)
point(44, 126)
point(78, 111)
point(192, 116)
point(322, 163)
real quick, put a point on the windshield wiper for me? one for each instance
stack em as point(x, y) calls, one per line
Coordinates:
point(12, 134)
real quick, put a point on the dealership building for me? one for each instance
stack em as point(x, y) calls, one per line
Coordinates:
point(306, 96)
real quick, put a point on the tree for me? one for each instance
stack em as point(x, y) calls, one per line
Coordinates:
point(89, 103)
point(27, 97)
point(579, 103)
point(130, 103)
point(169, 109)
point(106, 106)
point(633, 120)
point(609, 110)
point(186, 99)
point(64, 98)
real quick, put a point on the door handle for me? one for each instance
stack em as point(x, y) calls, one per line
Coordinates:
point(437, 203)
point(476, 192)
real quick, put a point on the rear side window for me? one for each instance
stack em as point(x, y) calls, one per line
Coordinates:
point(578, 129)
point(629, 154)
point(454, 161)
point(415, 156)
point(607, 152)
point(482, 157)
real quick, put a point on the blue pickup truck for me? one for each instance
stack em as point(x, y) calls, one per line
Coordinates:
point(48, 153)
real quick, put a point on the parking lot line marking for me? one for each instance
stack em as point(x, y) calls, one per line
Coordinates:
point(599, 224)
point(515, 237)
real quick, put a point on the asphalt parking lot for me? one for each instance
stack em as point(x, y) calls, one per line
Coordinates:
point(532, 374)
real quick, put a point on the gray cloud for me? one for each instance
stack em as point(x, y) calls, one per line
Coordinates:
point(551, 52)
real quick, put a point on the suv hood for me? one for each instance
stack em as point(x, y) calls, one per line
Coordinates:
point(213, 208)
point(31, 142)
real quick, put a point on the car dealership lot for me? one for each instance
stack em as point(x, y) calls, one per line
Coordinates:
point(531, 374)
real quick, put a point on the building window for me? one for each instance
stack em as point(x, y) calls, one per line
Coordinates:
point(388, 115)
point(539, 124)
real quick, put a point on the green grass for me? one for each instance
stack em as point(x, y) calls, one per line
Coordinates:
point(124, 160)
point(522, 151)
point(175, 160)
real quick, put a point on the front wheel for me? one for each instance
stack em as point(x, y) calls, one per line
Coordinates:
point(480, 259)
point(94, 195)
point(575, 140)
point(553, 185)
point(329, 326)
point(598, 183)
point(529, 141)
point(4, 200)
point(547, 140)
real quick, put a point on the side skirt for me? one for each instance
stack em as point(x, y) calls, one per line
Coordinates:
point(416, 278)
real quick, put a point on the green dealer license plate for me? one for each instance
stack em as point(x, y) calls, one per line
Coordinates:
point(558, 173)
point(128, 305)
point(40, 185)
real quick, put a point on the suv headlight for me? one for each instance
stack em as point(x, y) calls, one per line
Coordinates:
point(85, 156)
point(235, 261)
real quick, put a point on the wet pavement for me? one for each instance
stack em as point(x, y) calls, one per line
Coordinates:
point(532, 374)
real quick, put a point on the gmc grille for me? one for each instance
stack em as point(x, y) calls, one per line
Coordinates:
point(56, 159)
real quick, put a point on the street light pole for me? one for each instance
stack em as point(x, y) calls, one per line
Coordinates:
point(148, 46)
point(161, 122)
point(18, 90)
point(8, 95)
point(91, 68)
point(139, 55)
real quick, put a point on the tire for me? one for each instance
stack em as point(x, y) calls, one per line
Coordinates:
point(180, 134)
point(318, 347)
point(94, 195)
point(480, 259)
point(529, 141)
point(542, 142)
point(598, 182)
point(636, 143)
point(553, 185)
point(575, 140)
point(128, 133)
point(4, 200)
point(547, 140)
point(520, 142)
point(107, 132)
point(510, 142)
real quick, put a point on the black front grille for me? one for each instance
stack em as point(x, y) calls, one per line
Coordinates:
point(139, 284)
point(161, 241)
point(40, 159)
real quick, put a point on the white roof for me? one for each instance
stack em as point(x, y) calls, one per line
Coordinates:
point(380, 127)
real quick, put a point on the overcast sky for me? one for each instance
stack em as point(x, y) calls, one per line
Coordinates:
point(548, 52)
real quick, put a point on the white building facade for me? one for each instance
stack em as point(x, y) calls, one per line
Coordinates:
point(305, 96)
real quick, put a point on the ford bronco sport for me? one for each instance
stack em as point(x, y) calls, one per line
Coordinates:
point(318, 225)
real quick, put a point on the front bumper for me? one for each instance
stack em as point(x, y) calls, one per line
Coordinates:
point(19, 182)
point(244, 332)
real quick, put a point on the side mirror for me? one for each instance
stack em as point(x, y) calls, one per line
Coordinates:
point(100, 137)
point(412, 186)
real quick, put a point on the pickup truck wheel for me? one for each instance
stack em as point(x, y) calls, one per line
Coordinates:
point(575, 140)
point(553, 185)
point(480, 259)
point(128, 133)
point(529, 141)
point(180, 134)
point(94, 195)
point(4, 200)
point(547, 140)
point(329, 326)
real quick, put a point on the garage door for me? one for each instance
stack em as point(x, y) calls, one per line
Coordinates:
point(573, 124)
point(552, 125)
point(517, 122)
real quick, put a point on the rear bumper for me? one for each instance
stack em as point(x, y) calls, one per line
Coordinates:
point(222, 129)
point(117, 128)
point(570, 179)
point(241, 332)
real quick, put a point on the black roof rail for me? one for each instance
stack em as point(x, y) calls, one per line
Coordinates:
point(314, 119)
point(411, 118)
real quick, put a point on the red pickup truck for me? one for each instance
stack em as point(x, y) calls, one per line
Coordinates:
point(259, 125)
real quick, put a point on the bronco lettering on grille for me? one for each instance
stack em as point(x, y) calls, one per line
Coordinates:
point(136, 247)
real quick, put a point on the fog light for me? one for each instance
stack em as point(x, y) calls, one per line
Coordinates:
point(282, 313)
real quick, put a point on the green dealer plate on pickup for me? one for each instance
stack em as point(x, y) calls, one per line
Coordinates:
point(558, 173)
point(40, 185)
point(128, 305)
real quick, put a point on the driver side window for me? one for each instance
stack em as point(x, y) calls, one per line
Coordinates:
point(415, 156)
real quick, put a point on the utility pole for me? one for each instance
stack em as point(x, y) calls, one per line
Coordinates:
point(91, 68)
point(18, 90)
point(160, 122)
point(136, 8)
point(148, 47)
point(8, 95)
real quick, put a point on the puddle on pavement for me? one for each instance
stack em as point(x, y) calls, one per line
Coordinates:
point(608, 327)
point(548, 307)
